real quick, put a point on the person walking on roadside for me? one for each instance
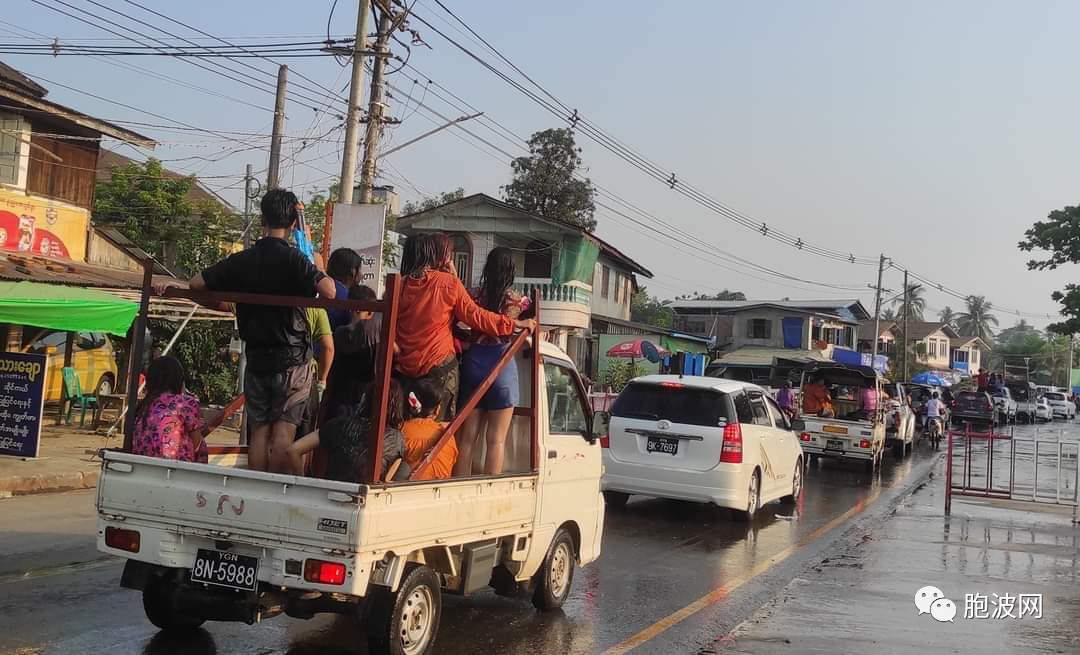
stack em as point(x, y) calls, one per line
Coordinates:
point(278, 378)
point(982, 380)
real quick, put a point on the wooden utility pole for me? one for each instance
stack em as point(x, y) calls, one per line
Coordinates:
point(352, 122)
point(877, 309)
point(376, 107)
point(279, 128)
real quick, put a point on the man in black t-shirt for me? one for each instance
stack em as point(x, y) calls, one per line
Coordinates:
point(277, 382)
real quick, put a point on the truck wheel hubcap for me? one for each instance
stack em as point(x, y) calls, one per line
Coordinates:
point(560, 569)
point(416, 620)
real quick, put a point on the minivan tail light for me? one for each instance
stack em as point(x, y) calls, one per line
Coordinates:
point(605, 441)
point(732, 448)
point(322, 572)
point(122, 539)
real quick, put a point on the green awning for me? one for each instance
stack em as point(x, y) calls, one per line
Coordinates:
point(59, 307)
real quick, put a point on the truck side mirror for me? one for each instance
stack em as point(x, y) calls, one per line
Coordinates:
point(601, 420)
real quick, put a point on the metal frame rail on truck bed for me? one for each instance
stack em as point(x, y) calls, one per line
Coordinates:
point(212, 542)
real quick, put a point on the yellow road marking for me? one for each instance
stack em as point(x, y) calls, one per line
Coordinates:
point(719, 593)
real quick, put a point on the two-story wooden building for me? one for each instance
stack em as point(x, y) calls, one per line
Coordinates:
point(580, 277)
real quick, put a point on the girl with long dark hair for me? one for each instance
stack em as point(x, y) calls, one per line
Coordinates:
point(496, 409)
point(432, 299)
point(168, 422)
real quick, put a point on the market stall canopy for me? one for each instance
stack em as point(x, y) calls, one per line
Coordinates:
point(71, 309)
point(637, 349)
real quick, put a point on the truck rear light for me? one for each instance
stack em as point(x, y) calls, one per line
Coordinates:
point(121, 539)
point(805, 436)
point(865, 443)
point(731, 451)
point(322, 572)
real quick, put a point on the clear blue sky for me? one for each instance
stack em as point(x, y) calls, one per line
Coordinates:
point(935, 132)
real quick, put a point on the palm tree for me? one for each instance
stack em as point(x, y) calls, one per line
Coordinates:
point(912, 305)
point(947, 315)
point(976, 321)
point(888, 314)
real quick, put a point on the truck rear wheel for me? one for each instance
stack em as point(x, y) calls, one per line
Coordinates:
point(159, 603)
point(556, 575)
point(405, 622)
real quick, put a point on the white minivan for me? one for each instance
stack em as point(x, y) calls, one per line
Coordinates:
point(701, 439)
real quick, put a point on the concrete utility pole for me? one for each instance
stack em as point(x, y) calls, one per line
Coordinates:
point(279, 128)
point(376, 106)
point(352, 122)
point(1069, 366)
point(877, 309)
point(907, 313)
point(241, 368)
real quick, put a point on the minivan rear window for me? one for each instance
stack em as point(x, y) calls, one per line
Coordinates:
point(685, 405)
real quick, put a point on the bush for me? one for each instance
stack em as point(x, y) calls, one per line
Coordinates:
point(618, 374)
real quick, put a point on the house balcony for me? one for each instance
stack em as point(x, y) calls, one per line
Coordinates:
point(561, 305)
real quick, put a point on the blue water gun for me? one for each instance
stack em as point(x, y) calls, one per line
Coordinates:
point(300, 235)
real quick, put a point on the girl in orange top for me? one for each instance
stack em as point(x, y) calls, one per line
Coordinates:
point(422, 433)
point(431, 301)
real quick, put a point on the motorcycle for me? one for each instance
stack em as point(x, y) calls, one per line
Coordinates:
point(934, 431)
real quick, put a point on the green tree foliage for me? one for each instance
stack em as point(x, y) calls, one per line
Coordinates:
point(977, 319)
point(1059, 238)
point(948, 316)
point(619, 373)
point(719, 295)
point(153, 211)
point(545, 181)
point(888, 314)
point(911, 305)
point(431, 202)
point(650, 310)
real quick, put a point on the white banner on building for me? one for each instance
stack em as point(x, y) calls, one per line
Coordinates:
point(361, 227)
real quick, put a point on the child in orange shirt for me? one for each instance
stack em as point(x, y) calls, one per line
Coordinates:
point(422, 432)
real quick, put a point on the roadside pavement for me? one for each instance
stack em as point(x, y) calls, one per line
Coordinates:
point(67, 461)
point(861, 597)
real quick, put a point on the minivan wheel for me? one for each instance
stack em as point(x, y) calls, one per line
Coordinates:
point(753, 499)
point(616, 499)
point(796, 484)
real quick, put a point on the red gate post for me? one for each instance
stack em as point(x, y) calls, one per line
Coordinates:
point(948, 472)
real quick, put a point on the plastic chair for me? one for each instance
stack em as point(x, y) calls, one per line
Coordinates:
point(73, 395)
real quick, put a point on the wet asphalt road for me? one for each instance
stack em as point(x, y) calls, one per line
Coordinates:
point(673, 578)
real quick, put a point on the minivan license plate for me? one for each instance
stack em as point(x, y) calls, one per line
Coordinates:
point(225, 569)
point(662, 445)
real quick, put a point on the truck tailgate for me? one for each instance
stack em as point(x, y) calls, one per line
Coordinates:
point(266, 508)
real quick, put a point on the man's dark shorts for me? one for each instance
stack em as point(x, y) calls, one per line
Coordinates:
point(271, 397)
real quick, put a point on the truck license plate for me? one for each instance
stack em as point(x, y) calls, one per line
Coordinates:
point(662, 445)
point(225, 569)
point(834, 444)
point(838, 429)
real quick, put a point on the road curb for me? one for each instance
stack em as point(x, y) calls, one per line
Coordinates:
point(26, 485)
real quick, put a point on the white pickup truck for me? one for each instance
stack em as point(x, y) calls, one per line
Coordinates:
point(851, 432)
point(220, 542)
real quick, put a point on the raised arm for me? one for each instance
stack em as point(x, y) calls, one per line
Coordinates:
point(480, 319)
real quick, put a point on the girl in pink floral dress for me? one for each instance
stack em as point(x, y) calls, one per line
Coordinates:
point(168, 422)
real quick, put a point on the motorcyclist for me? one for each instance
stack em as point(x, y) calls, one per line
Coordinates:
point(935, 411)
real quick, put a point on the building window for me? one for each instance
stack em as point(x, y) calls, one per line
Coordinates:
point(605, 282)
point(759, 328)
point(538, 259)
point(463, 258)
point(629, 290)
point(11, 136)
point(618, 288)
point(933, 348)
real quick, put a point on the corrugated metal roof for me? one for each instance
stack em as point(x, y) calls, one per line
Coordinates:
point(755, 356)
point(848, 309)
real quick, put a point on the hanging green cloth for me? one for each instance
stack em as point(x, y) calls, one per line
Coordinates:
point(575, 261)
point(70, 309)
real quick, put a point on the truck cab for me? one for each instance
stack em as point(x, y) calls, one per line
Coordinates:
point(220, 542)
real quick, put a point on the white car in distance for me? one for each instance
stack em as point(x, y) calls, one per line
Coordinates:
point(1060, 404)
point(700, 439)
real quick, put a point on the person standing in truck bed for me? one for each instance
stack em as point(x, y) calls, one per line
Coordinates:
point(277, 339)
